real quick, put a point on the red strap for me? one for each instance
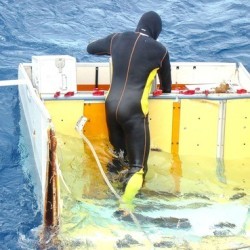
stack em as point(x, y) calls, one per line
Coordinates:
point(57, 94)
point(157, 92)
point(241, 91)
point(188, 92)
point(68, 94)
point(98, 92)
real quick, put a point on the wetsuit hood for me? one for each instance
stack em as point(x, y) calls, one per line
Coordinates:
point(150, 24)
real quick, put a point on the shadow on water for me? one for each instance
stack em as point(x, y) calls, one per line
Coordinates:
point(192, 202)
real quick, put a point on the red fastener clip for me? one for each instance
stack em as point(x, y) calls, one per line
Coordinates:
point(57, 94)
point(241, 91)
point(98, 92)
point(189, 92)
point(157, 92)
point(68, 94)
point(206, 92)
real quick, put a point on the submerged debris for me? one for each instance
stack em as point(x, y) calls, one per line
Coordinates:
point(225, 224)
point(196, 195)
point(238, 189)
point(222, 233)
point(238, 196)
point(172, 222)
point(156, 149)
point(127, 241)
point(223, 229)
point(164, 222)
point(164, 244)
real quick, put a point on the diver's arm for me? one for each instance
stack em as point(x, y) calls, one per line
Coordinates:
point(100, 46)
point(164, 74)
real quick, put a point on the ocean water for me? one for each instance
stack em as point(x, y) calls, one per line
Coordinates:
point(19, 212)
point(192, 31)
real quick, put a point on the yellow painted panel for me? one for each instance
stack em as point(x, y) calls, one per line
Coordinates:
point(219, 180)
point(65, 115)
point(198, 127)
point(96, 125)
point(237, 173)
point(199, 175)
point(237, 130)
point(160, 122)
point(176, 127)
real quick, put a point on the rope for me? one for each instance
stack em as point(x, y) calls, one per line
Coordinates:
point(135, 220)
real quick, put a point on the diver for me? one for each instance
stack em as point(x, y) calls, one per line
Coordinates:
point(136, 58)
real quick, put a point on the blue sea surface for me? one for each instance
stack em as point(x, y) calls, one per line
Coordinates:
point(205, 31)
point(19, 212)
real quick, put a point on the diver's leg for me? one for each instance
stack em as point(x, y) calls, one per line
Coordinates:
point(138, 143)
point(116, 138)
point(115, 130)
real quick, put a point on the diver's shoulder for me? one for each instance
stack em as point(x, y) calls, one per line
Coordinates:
point(158, 45)
point(161, 45)
point(126, 33)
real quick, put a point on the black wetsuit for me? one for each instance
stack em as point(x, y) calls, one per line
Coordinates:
point(136, 58)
